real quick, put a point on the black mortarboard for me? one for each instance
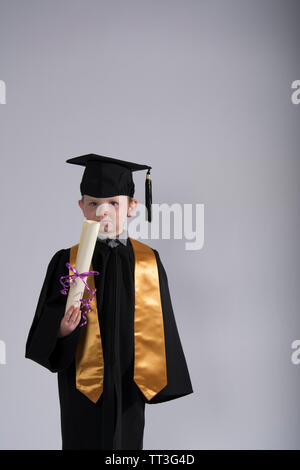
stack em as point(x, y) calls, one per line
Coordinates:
point(108, 177)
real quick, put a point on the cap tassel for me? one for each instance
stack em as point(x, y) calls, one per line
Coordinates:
point(148, 196)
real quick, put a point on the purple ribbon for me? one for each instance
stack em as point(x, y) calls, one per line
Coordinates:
point(85, 303)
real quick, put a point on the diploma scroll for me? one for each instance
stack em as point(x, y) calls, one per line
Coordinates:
point(85, 252)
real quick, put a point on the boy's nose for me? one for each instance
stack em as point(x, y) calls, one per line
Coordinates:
point(102, 211)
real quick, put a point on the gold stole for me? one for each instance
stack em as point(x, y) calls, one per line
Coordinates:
point(150, 368)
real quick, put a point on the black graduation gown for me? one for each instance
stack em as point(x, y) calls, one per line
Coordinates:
point(116, 421)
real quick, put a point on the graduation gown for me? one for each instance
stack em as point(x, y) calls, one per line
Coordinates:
point(117, 419)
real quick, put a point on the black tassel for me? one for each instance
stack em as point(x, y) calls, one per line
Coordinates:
point(148, 196)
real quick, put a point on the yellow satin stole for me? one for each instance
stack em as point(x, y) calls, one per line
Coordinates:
point(150, 368)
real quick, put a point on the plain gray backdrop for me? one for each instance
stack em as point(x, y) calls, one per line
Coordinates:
point(201, 91)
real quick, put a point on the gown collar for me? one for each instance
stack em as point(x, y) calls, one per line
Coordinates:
point(122, 237)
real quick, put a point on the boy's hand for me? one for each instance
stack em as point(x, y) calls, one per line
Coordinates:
point(69, 321)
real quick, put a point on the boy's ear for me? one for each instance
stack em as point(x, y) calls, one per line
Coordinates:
point(80, 203)
point(132, 208)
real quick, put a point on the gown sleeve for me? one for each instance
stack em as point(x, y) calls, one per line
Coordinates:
point(179, 383)
point(43, 346)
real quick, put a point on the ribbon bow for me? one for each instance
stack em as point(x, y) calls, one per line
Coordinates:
point(85, 303)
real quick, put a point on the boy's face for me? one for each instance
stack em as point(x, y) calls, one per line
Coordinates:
point(111, 212)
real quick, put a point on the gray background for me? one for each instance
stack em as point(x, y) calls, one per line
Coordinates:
point(201, 91)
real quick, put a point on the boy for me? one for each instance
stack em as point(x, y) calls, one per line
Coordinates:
point(129, 353)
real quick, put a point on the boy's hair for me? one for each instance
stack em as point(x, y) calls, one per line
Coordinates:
point(129, 199)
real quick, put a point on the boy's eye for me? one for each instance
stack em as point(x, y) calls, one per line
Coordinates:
point(112, 202)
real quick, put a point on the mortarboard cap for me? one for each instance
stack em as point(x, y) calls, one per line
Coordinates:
point(108, 177)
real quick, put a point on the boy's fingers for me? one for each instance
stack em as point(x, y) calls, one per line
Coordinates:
point(76, 315)
point(70, 312)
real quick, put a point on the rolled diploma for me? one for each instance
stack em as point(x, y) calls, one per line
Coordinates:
point(85, 252)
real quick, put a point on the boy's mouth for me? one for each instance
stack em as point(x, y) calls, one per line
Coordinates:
point(105, 226)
